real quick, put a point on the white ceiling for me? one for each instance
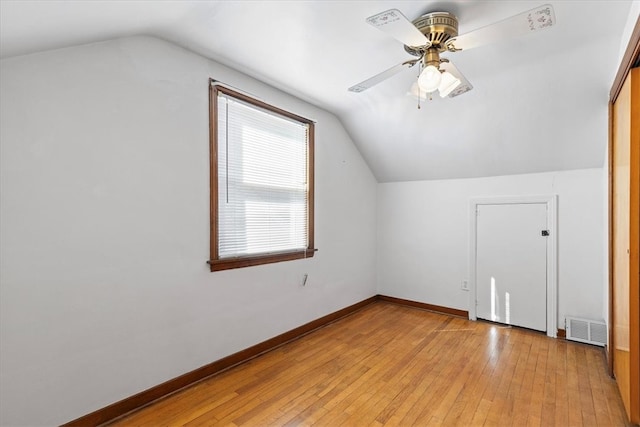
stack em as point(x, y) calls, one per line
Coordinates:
point(539, 101)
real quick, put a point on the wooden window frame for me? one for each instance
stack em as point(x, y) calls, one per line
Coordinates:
point(215, 262)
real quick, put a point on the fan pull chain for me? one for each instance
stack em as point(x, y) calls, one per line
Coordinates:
point(419, 94)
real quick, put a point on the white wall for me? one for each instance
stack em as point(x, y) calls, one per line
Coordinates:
point(634, 14)
point(105, 229)
point(423, 237)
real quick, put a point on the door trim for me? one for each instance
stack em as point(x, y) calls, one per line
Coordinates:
point(552, 253)
point(631, 57)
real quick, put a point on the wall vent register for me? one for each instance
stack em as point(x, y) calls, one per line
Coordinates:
point(586, 331)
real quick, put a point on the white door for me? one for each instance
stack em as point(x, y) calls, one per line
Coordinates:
point(511, 264)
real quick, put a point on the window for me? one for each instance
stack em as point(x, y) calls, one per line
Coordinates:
point(261, 182)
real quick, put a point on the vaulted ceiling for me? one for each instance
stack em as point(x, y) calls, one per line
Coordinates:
point(539, 101)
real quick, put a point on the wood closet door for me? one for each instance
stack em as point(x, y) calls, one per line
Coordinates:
point(625, 237)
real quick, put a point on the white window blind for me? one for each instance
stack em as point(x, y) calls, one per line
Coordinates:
point(262, 180)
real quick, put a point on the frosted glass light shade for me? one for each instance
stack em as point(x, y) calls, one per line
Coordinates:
point(429, 79)
point(447, 84)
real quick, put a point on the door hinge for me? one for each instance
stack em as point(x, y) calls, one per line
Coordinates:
point(544, 232)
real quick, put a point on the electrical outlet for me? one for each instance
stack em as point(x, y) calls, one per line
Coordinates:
point(465, 285)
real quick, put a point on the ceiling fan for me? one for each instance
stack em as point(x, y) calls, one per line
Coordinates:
point(437, 32)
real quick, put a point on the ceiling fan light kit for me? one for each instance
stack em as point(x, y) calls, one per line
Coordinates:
point(429, 79)
point(437, 32)
point(448, 84)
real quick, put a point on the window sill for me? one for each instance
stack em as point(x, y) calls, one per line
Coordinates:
point(230, 263)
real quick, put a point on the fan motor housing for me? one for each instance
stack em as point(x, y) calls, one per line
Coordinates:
point(438, 27)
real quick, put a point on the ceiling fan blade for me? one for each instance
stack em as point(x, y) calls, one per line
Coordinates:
point(464, 86)
point(532, 20)
point(370, 82)
point(394, 23)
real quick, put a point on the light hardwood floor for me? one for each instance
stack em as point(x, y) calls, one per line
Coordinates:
point(394, 365)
